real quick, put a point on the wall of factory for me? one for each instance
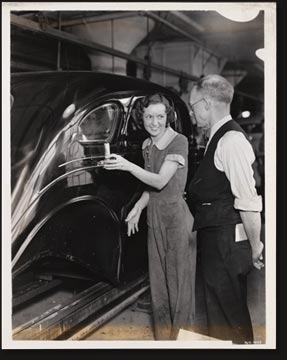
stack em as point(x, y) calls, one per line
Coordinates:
point(121, 34)
point(180, 56)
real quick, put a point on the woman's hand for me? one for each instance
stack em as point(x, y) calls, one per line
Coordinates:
point(132, 220)
point(117, 162)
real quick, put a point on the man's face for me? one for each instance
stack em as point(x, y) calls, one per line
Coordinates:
point(199, 111)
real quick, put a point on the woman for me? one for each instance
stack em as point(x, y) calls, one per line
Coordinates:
point(171, 244)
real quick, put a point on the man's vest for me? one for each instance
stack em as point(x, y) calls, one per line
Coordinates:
point(210, 191)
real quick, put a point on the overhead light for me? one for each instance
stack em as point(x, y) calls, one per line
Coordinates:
point(245, 114)
point(260, 53)
point(239, 13)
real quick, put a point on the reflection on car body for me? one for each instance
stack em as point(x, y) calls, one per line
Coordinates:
point(66, 209)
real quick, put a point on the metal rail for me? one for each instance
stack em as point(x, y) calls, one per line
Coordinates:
point(33, 26)
point(34, 289)
point(109, 313)
point(65, 36)
point(63, 318)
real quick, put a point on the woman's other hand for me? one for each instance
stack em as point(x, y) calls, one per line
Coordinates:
point(117, 162)
point(132, 220)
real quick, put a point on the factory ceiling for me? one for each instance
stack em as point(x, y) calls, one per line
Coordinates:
point(233, 41)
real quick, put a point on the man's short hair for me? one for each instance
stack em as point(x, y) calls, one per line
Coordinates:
point(216, 87)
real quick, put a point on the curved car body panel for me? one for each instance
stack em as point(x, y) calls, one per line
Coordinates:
point(64, 204)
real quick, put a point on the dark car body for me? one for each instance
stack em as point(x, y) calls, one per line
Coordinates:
point(65, 207)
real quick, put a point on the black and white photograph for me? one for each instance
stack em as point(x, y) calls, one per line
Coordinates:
point(139, 175)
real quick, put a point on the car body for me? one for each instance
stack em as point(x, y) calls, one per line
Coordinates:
point(66, 209)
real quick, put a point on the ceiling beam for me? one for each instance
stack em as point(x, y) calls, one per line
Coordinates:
point(32, 26)
point(96, 18)
point(92, 46)
point(181, 15)
point(152, 15)
point(182, 32)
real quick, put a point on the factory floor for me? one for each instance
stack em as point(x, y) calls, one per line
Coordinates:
point(135, 323)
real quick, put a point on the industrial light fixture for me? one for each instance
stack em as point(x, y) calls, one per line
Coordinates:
point(260, 53)
point(245, 114)
point(239, 12)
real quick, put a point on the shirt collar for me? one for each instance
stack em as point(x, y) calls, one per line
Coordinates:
point(218, 125)
point(215, 127)
point(164, 141)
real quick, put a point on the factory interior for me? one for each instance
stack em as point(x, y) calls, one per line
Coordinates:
point(173, 48)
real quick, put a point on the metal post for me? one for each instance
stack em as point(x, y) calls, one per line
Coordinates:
point(59, 44)
point(112, 39)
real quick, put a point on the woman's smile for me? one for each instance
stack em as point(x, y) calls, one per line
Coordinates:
point(155, 119)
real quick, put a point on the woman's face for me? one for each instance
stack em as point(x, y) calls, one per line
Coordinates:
point(155, 118)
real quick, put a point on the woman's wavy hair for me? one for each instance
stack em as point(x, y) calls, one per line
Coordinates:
point(156, 99)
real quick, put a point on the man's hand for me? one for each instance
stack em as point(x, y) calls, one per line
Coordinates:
point(257, 256)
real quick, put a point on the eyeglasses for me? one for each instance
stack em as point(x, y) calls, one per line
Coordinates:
point(192, 105)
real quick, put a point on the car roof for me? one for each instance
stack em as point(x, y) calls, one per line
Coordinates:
point(109, 80)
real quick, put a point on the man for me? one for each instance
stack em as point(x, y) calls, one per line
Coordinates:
point(227, 211)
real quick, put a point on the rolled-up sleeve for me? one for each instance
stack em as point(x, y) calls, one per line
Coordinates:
point(178, 150)
point(177, 158)
point(234, 155)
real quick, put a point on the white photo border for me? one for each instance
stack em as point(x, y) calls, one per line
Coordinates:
point(270, 173)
